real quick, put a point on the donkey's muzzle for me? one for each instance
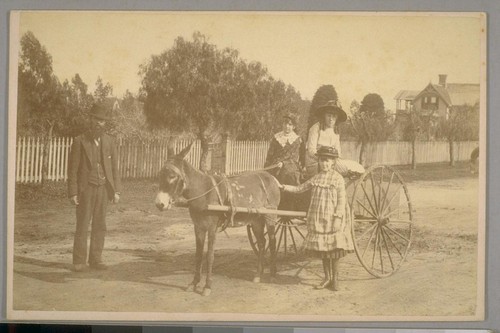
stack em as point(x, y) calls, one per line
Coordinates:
point(163, 201)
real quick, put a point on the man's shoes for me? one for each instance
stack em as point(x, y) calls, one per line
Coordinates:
point(99, 266)
point(80, 268)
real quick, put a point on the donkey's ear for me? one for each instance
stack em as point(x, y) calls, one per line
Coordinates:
point(170, 148)
point(182, 154)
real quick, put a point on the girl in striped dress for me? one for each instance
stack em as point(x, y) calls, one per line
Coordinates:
point(328, 232)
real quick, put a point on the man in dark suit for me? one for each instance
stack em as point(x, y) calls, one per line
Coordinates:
point(93, 180)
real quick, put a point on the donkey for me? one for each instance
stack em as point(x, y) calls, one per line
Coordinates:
point(252, 190)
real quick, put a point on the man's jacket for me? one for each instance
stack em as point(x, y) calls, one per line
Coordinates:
point(80, 165)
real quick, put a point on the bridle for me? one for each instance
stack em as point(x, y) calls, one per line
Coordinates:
point(180, 183)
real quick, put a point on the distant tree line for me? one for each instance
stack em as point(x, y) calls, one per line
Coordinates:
point(195, 88)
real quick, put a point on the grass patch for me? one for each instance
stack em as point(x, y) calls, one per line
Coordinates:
point(435, 171)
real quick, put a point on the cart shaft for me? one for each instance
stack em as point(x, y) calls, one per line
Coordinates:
point(219, 208)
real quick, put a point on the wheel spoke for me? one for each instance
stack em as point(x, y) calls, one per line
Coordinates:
point(375, 247)
point(285, 230)
point(392, 212)
point(373, 192)
point(382, 208)
point(293, 241)
point(300, 233)
point(279, 241)
point(368, 199)
point(380, 252)
point(369, 241)
point(277, 229)
point(366, 231)
point(390, 201)
point(380, 189)
point(369, 212)
point(401, 221)
point(397, 233)
point(366, 220)
point(390, 241)
point(387, 249)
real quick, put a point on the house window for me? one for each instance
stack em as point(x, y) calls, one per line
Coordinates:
point(430, 103)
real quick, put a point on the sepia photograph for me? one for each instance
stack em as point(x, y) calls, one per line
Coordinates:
point(246, 166)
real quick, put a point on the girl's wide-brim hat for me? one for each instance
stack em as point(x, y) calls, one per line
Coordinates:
point(332, 106)
point(328, 152)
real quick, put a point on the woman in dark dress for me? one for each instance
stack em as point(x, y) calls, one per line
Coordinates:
point(285, 151)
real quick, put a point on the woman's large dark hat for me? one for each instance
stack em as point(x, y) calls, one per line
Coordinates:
point(98, 111)
point(332, 106)
point(327, 151)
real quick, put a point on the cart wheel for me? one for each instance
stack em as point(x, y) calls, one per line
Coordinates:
point(381, 220)
point(289, 235)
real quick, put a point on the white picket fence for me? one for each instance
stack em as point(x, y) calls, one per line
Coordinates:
point(137, 159)
point(251, 155)
point(29, 161)
point(245, 155)
point(143, 159)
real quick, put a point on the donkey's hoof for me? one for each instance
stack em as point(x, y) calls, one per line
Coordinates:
point(191, 287)
point(206, 292)
point(256, 279)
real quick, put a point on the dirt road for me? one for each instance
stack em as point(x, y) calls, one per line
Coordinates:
point(151, 256)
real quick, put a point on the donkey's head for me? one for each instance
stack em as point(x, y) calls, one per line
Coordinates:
point(172, 179)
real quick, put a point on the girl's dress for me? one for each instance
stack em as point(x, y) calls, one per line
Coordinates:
point(316, 138)
point(328, 200)
point(319, 137)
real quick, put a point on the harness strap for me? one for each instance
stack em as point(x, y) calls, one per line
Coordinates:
point(264, 188)
point(176, 170)
point(216, 187)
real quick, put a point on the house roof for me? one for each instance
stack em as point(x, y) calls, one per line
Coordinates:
point(109, 102)
point(463, 93)
point(407, 95)
point(453, 94)
point(439, 90)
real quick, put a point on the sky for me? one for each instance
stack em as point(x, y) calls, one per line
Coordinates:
point(358, 53)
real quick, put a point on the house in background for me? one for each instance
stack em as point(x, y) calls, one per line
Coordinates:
point(112, 103)
point(436, 100)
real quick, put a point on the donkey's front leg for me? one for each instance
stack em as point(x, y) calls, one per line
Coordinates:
point(210, 258)
point(200, 234)
point(258, 230)
point(270, 225)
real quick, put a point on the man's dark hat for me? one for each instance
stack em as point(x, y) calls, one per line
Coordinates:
point(98, 111)
point(332, 106)
point(292, 117)
point(327, 151)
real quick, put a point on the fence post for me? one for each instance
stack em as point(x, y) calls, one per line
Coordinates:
point(227, 157)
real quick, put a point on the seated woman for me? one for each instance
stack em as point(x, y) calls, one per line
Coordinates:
point(284, 152)
point(324, 133)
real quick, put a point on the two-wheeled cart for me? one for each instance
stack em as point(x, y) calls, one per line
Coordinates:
point(380, 213)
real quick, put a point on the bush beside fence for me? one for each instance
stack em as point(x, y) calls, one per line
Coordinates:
point(143, 159)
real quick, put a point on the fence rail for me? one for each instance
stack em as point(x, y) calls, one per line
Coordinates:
point(143, 159)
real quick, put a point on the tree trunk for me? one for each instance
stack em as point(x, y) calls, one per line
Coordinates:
point(45, 154)
point(362, 153)
point(452, 153)
point(206, 153)
point(413, 155)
